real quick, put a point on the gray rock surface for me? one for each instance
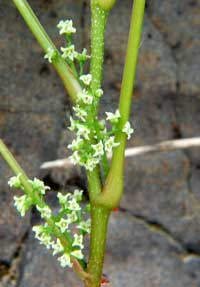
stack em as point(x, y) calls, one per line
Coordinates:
point(139, 256)
point(156, 188)
point(179, 23)
point(188, 115)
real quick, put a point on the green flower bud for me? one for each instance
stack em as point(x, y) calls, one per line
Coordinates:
point(106, 4)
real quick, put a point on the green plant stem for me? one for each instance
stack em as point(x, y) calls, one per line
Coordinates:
point(98, 23)
point(99, 19)
point(71, 84)
point(16, 168)
point(113, 189)
point(99, 215)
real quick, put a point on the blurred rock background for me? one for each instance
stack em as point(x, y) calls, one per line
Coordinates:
point(154, 240)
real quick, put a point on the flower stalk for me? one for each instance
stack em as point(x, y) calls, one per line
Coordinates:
point(71, 84)
point(113, 189)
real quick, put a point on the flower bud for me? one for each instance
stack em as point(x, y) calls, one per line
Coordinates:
point(106, 4)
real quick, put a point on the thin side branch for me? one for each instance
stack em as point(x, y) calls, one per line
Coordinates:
point(131, 152)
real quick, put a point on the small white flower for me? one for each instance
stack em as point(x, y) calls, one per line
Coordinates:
point(85, 97)
point(113, 118)
point(39, 186)
point(42, 236)
point(57, 247)
point(21, 204)
point(76, 143)
point(38, 229)
point(65, 260)
point(66, 27)
point(78, 194)
point(45, 211)
point(91, 162)
point(15, 181)
point(86, 79)
point(75, 158)
point(82, 57)
point(128, 130)
point(80, 113)
point(73, 124)
point(63, 199)
point(77, 253)
point(46, 240)
point(85, 226)
point(50, 55)
point(83, 131)
point(110, 144)
point(99, 93)
point(99, 150)
point(68, 52)
point(72, 217)
point(78, 241)
point(62, 224)
point(73, 205)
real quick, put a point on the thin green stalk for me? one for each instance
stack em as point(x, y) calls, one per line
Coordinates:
point(113, 189)
point(71, 84)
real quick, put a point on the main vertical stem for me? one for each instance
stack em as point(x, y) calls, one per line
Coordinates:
point(99, 215)
point(99, 218)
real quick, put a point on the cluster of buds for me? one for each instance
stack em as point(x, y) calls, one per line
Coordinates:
point(63, 232)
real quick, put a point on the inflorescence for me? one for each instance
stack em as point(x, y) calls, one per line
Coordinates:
point(93, 139)
point(63, 232)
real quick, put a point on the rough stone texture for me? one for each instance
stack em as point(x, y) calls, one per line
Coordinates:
point(137, 256)
point(153, 118)
point(188, 115)
point(155, 62)
point(156, 241)
point(179, 23)
point(156, 188)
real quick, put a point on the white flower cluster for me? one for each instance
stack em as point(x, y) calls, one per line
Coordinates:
point(58, 231)
point(93, 140)
point(24, 202)
point(66, 27)
point(70, 213)
point(127, 129)
point(51, 54)
point(44, 234)
point(68, 53)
